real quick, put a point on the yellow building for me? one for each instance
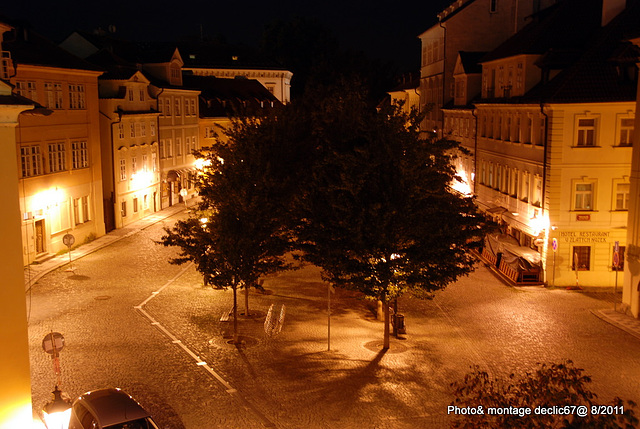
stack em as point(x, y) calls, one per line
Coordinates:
point(130, 157)
point(551, 158)
point(59, 154)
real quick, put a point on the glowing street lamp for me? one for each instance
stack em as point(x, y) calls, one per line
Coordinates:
point(57, 412)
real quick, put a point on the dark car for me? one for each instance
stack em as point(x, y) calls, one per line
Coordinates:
point(109, 409)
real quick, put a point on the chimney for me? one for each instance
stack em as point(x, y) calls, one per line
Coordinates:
point(611, 9)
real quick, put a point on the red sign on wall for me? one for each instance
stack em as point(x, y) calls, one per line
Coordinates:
point(583, 217)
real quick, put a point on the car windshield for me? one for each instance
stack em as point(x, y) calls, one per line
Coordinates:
point(134, 424)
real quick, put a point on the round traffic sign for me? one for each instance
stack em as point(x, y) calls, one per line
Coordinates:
point(554, 244)
point(68, 240)
point(53, 343)
point(616, 259)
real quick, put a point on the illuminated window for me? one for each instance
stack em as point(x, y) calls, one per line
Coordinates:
point(31, 161)
point(57, 157)
point(586, 132)
point(583, 196)
point(53, 95)
point(537, 191)
point(581, 258)
point(145, 160)
point(79, 155)
point(625, 133)
point(76, 97)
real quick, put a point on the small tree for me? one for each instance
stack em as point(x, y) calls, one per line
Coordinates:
point(239, 230)
point(379, 214)
point(561, 385)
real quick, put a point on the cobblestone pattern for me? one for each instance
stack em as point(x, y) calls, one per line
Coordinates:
point(292, 380)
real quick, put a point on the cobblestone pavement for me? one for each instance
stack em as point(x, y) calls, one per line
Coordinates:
point(134, 321)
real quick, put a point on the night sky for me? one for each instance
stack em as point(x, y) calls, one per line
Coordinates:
point(388, 31)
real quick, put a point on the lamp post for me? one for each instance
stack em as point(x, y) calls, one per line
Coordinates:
point(56, 413)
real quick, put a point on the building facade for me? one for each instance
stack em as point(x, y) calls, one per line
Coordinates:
point(550, 158)
point(130, 148)
point(58, 153)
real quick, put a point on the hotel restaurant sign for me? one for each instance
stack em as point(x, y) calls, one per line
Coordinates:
point(585, 237)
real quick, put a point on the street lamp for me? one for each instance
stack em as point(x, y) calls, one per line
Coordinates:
point(57, 412)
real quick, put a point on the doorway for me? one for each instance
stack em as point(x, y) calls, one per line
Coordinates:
point(40, 232)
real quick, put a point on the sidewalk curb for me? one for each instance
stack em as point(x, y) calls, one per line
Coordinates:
point(34, 272)
point(629, 324)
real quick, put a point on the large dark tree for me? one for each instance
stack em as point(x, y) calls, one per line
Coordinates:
point(379, 214)
point(239, 231)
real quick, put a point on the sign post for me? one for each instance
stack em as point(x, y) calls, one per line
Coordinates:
point(53, 343)
point(68, 240)
point(616, 266)
point(330, 290)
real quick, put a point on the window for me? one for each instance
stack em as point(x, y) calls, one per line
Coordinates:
point(507, 133)
point(620, 266)
point(177, 107)
point(26, 88)
point(85, 208)
point(515, 189)
point(524, 192)
point(541, 139)
point(622, 196)
point(120, 130)
point(152, 128)
point(493, 6)
point(57, 157)
point(188, 145)
point(491, 175)
point(123, 170)
point(169, 148)
point(586, 135)
point(134, 165)
point(31, 161)
point(79, 155)
point(518, 133)
point(135, 205)
point(537, 191)
point(53, 95)
point(193, 107)
point(145, 202)
point(145, 160)
point(130, 92)
point(76, 97)
point(132, 130)
point(143, 129)
point(178, 146)
point(123, 209)
point(167, 108)
point(81, 210)
point(583, 196)
point(161, 148)
point(528, 130)
point(581, 258)
point(625, 135)
point(154, 159)
point(142, 95)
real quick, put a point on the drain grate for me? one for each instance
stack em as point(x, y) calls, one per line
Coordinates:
point(102, 297)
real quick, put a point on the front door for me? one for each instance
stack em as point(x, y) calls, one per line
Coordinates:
point(40, 231)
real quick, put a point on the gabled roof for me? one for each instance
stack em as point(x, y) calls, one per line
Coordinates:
point(28, 47)
point(470, 61)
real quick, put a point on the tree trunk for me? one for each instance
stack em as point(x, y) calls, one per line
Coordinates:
point(385, 345)
point(246, 299)
point(380, 311)
point(235, 312)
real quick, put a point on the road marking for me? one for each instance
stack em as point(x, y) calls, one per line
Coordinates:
point(174, 340)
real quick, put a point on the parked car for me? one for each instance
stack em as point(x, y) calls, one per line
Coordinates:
point(109, 409)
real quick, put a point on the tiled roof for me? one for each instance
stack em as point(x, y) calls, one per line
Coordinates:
point(565, 26)
point(471, 61)
point(224, 97)
point(605, 71)
point(29, 47)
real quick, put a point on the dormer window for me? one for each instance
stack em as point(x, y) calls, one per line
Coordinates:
point(493, 6)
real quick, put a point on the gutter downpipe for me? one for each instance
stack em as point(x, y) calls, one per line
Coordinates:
point(544, 184)
point(444, 73)
point(113, 172)
point(474, 112)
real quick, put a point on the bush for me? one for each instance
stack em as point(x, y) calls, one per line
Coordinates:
point(553, 396)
